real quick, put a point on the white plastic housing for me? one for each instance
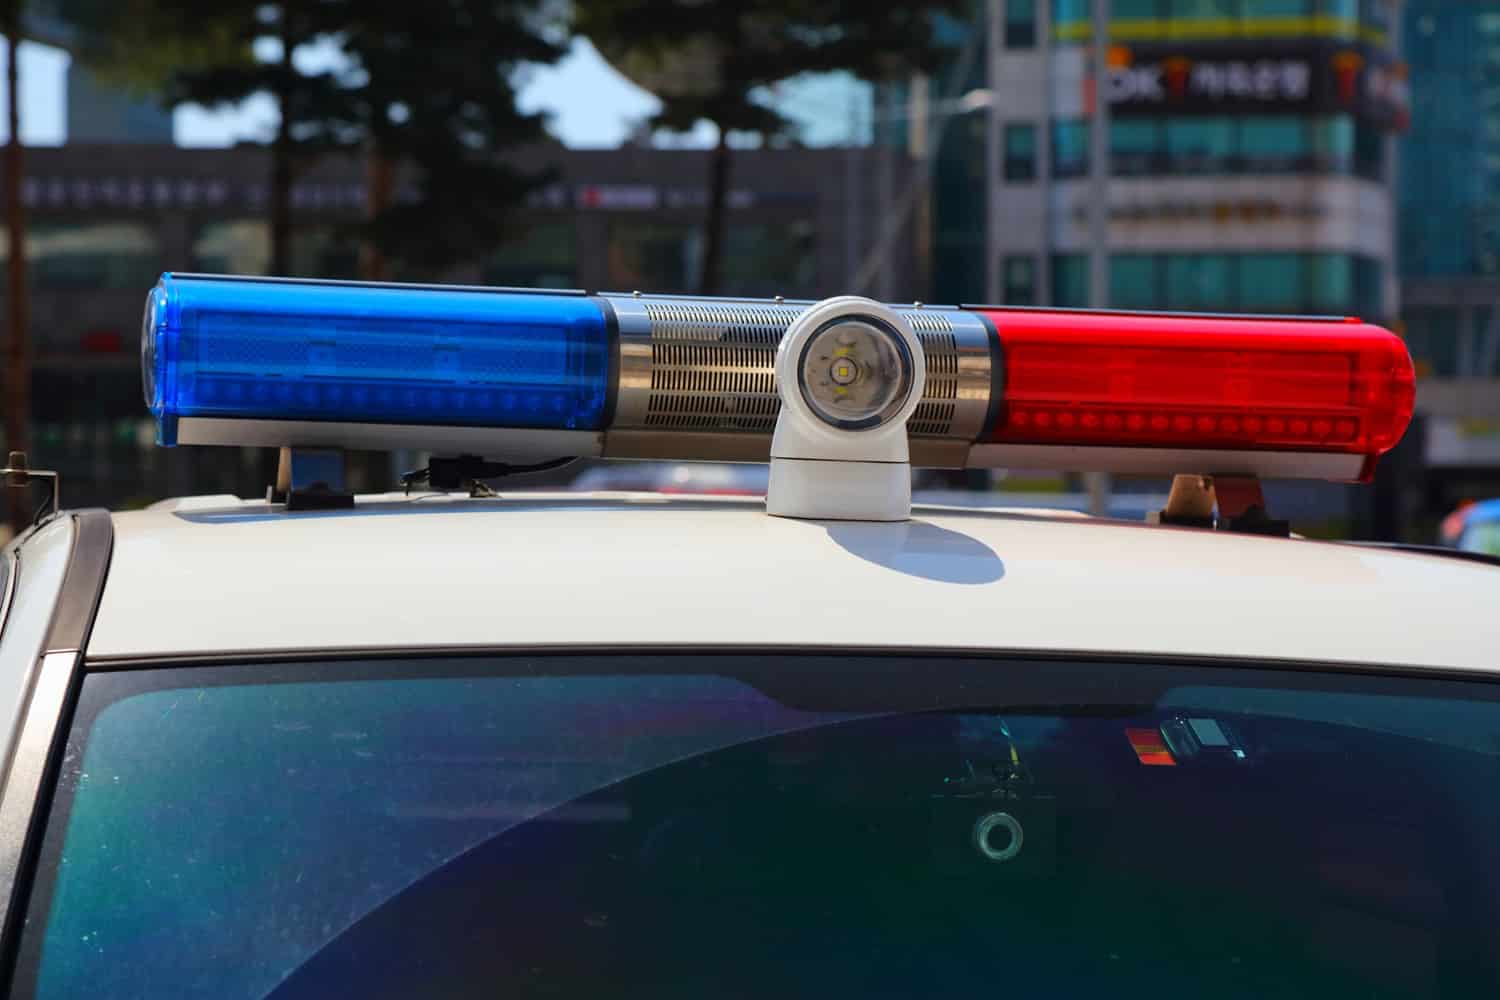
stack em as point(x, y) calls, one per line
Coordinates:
point(825, 472)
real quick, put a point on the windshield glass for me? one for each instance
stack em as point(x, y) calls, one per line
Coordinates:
point(769, 826)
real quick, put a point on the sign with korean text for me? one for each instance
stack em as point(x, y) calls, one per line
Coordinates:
point(1309, 78)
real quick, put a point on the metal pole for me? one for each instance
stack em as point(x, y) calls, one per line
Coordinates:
point(1098, 483)
point(994, 40)
point(18, 361)
point(885, 182)
point(1099, 164)
point(1044, 155)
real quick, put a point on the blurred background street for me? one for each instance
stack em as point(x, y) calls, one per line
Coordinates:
point(1273, 156)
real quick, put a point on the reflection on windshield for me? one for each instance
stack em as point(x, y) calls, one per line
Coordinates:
point(692, 834)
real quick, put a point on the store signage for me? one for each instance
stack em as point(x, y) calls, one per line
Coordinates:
point(1310, 77)
point(1225, 210)
point(182, 193)
point(217, 196)
point(648, 198)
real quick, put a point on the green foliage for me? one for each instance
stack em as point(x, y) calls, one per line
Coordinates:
point(706, 59)
point(709, 60)
point(141, 45)
point(426, 87)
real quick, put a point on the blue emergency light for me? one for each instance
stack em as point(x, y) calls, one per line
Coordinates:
point(258, 349)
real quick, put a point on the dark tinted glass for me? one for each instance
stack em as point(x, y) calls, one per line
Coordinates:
point(1020, 281)
point(1020, 152)
point(1133, 281)
point(770, 826)
point(1070, 280)
point(1020, 24)
point(1070, 148)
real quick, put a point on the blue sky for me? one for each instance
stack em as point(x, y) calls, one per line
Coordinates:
point(591, 104)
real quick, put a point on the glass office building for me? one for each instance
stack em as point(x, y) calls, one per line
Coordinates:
point(1250, 157)
point(1449, 224)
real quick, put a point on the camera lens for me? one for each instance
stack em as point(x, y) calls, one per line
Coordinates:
point(855, 373)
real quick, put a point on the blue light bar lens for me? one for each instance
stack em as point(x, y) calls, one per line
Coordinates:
point(364, 353)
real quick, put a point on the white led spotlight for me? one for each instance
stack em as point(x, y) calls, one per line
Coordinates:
point(850, 373)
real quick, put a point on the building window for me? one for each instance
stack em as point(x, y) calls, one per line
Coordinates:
point(1200, 9)
point(1330, 283)
point(1200, 282)
point(1369, 290)
point(1256, 145)
point(1322, 283)
point(654, 256)
point(1020, 152)
point(330, 252)
point(1277, 143)
point(1070, 147)
point(762, 260)
point(1131, 10)
point(1132, 281)
point(1271, 283)
point(1432, 338)
point(101, 255)
point(1070, 280)
point(1135, 146)
point(773, 259)
point(233, 246)
point(1369, 151)
point(1333, 143)
point(1265, 9)
point(541, 256)
point(1020, 24)
point(1071, 21)
point(1020, 281)
point(1199, 145)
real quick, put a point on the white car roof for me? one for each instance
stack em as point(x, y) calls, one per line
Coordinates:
point(220, 577)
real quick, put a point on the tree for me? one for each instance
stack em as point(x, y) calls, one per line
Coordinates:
point(431, 90)
point(710, 60)
point(422, 91)
point(18, 355)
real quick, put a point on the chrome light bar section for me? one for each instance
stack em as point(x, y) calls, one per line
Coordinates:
point(697, 379)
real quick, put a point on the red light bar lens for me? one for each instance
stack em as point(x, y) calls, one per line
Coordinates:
point(1140, 381)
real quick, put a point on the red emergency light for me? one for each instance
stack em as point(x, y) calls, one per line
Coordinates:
point(1227, 385)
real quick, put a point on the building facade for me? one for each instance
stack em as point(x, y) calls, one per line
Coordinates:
point(105, 220)
point(1450, 239)
point(1250, 159)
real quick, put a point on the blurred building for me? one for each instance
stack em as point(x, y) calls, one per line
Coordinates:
point(1450, 240)
point(96, 111)
point(105, 220)
point(1251, 154)
point(1251, 167)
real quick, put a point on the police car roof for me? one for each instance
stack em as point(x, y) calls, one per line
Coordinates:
point(216, 577)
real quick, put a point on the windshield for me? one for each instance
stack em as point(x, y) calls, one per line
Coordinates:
point(769, 826)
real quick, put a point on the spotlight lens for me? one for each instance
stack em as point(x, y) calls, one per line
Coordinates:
point(855, 373)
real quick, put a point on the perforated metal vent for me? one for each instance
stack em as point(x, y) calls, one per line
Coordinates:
point(713, 366)
point(708, 366)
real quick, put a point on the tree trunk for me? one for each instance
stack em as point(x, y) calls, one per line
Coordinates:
point(18, 359)
point(380, 193)
point(280, 201)
point(714, 226)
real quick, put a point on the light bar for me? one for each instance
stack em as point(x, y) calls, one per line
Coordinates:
point(1206, 383)
point(508, 373)
point(247, 349)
